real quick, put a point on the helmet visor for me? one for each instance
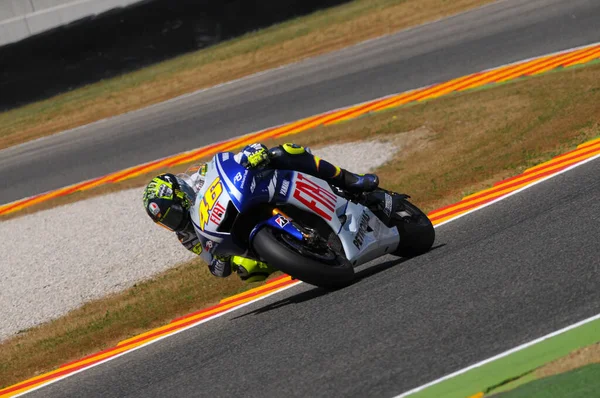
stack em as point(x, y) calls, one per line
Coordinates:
point(174, 218)
point(185, 187)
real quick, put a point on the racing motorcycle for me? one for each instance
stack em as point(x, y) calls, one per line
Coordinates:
point(300, 224)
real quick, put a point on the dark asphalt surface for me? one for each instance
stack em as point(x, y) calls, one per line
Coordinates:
point(498, 278)
point(504, 32)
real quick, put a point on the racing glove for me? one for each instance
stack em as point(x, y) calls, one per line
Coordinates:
point(254, 156)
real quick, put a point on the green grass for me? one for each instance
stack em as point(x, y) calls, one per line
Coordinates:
point(582, 382)
point(506, 369)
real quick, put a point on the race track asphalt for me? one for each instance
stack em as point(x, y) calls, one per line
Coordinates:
point(504, 32)
point(497, 278)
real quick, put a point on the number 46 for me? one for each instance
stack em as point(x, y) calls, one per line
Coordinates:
point(208, 201)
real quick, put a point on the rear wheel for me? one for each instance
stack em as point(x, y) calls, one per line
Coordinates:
point(319, 266)
point(416, 230)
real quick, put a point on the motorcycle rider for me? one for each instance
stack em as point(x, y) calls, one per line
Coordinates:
point(168, 198)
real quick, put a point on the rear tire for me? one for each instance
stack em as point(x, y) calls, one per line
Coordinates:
point(277, 250)
point(416, 230)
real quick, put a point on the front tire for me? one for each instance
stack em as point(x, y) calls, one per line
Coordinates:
point(416, 230)
point(331, 272)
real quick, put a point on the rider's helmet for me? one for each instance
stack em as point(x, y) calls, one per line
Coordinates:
point(167, 199)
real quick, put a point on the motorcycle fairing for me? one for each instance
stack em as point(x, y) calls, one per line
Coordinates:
point(281, 223)
point(363, 236)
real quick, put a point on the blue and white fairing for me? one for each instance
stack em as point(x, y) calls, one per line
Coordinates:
point(228, 184)
point(247, 188)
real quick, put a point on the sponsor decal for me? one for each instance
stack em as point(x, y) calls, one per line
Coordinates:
point(285, 185)
point(377, 230)
point(272, 185)
point(154, 209)
point(197, 249)
point(209, 246)
point(282, 221)
point(217, 214)
point(243, 184)
point(208, 201)
point(253, 185)
point(238, 177)
point(359, 239)
point(202, 170)
point(388, 205)
point(317, 199)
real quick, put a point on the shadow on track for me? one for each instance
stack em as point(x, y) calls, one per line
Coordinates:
point(318, 292)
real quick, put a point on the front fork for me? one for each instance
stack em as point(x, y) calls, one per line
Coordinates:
point(280, 221)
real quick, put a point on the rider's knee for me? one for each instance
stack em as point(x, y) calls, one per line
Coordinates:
point(293, 149)
point(289, 149)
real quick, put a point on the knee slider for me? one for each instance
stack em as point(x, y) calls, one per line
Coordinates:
point(293, 149)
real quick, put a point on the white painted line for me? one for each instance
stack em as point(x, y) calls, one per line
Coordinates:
point(520, 189)
point(502, 355)
point(160, 338)
point(523, 346)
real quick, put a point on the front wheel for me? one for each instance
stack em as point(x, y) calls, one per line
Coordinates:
point(323, 267)
point(416, 230)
